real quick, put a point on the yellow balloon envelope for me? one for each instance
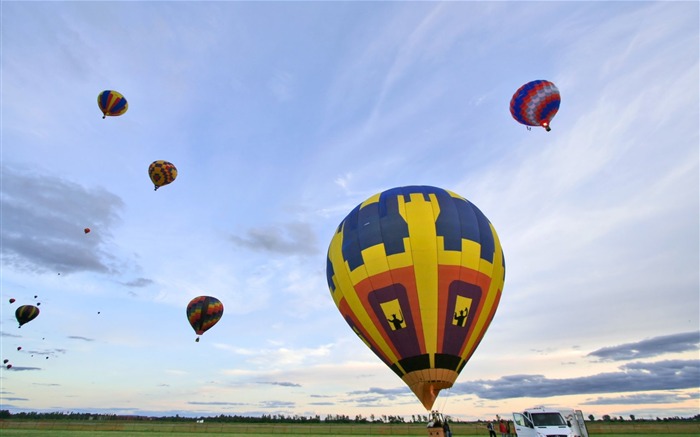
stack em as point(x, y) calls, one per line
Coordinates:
point(161, 173)
point(417, 272)
point(112, 103)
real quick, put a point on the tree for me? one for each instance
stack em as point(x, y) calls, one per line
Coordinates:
point(606, 417)
point(632, 417)
point(591, 418)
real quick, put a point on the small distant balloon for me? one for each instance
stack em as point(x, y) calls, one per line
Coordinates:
point(112, 103)
point(535, 104)
point(26, 313)
point(86, 230)
point(5, 361)
point(161, 173)
point(9, 366)
point(35, 296)
point(12, 300)
point(38, 303)
point(19, 348)
point(203, 312)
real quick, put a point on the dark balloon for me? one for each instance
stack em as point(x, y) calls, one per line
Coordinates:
point(203, 312)
point(5, 361)
point(12, 300)
point(26, 313)
point(86, 230)
point(9, 366)
point(19, 348)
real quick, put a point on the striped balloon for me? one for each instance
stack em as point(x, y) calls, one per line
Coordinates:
point(203, 312)
point(535, 103)
point(112, 103)
point(26, 313)
point(417, 273)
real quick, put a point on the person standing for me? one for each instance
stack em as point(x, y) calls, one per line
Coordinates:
point(502, 428)
point(492, 432)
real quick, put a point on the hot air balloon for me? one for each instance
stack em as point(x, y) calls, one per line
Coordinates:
point(112, 103)
point(535, 103)
point(203, 312)
point(12, 300)
point(5, 361)
point(417, 272)
point(86, 230)
point(161, 173)
point(26, 313)
point(9, 366)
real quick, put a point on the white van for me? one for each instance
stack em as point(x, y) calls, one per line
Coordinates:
point(575, 419)
point(541, 422)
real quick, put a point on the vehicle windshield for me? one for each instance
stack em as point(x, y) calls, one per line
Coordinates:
point(547, 419)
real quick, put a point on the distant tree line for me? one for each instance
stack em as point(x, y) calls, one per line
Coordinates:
point(265, 418)
point(281, 418)
point(633, 418)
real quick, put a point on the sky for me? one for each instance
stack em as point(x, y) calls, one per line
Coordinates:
point(281, 117)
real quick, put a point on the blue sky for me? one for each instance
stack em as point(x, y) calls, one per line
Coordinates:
point(283, 116)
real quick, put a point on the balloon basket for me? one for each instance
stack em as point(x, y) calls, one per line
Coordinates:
point(436, 432)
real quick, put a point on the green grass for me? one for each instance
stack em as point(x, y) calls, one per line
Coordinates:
point(119, 428)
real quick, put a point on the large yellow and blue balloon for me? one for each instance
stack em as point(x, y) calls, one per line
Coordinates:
point(535, 103)
point(417, 273)
point(112, 103)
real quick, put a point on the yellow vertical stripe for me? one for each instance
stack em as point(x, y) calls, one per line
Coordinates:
point(420, 216)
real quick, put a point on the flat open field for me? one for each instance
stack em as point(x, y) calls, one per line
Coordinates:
point(113, 428)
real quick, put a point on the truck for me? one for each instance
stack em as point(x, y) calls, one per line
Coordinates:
point(549, 422)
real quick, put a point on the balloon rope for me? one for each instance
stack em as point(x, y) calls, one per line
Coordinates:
point(444, 401)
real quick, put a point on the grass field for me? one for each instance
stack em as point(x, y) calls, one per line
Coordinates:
point(109, 428)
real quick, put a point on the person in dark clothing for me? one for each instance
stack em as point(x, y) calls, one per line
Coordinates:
point(492, 432)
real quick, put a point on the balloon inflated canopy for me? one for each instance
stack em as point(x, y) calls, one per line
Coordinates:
point(417, 273)
point(535, 103)
point(26, 313)
point(162, 173)
point(203, 312)
point(112, 103)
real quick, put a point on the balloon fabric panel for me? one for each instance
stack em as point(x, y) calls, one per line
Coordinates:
point(417, 272)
